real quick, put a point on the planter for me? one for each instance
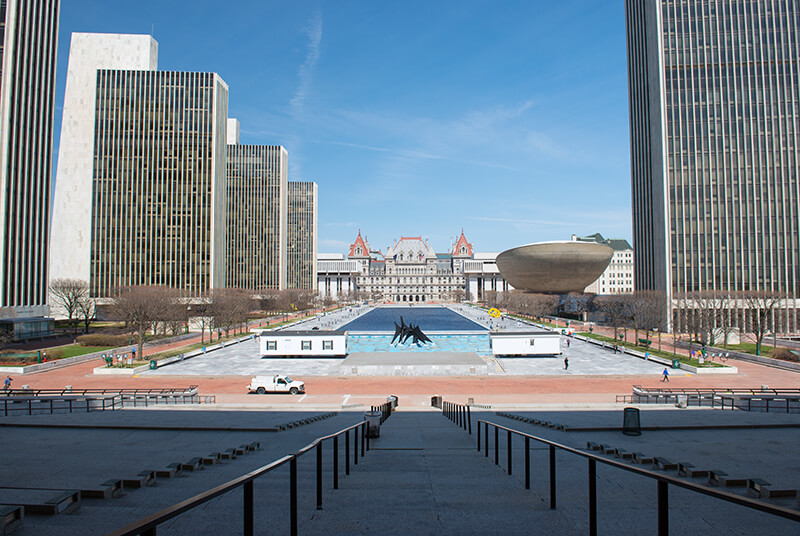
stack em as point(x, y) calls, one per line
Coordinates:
point(115, 371)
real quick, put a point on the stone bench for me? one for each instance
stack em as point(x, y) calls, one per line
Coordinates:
point(665, 464)
point(106, 490)
point(10, 518)
point(721, 479)
point(641, 458)
point(687, 469)
point(145, 478)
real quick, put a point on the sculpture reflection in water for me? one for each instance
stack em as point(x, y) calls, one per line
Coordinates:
point(402, 333)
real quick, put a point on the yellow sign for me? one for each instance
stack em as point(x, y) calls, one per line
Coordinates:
point(494, 312)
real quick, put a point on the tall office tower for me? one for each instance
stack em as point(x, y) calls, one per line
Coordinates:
point(714, 114)
point(140, 189)
point(257, 200)
point(302, 236)
point(29, 41)
point(71, 237)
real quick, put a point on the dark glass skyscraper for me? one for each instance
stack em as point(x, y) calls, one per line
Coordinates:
point(714, 116)
point(29, 39)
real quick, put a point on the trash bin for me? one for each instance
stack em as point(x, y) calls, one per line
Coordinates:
point(630, 422)
point(436, 402)
point(153, 364)
point(682, 401)
point(676, 364)
point(392, 400)
point(373, 419)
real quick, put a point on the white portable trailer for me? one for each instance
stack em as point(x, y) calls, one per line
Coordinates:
point(311, 343)
point(525, 343)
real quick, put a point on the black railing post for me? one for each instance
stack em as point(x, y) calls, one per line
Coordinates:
point(319, 475)
point(355, 445)
point(486, 439)
point(479, 436)
point(496, 446)
point(149, 532)
point(347, 452)
point(527, 462)
point(293, 492)
point(552, 477)
point(248, 509)
point(469, 417)
point(508, 447)
point(336, 462)
point(663, 509)
point(592, 497)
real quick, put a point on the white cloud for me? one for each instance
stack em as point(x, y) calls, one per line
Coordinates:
point(314, 33)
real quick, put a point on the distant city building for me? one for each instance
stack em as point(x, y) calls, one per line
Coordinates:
point(157, 177)
point(29, 39)
point(618, 277)
point(714, 147)
point(302, 236)
point(257, 216)
point(409, 271)
point(337, 275)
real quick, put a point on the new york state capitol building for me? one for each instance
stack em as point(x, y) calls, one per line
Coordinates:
point(409, 271)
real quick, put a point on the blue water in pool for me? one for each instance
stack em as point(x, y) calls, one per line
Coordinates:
point(440, 343)
point(427, 318)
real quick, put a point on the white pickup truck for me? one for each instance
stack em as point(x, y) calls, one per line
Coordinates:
point(275, 384)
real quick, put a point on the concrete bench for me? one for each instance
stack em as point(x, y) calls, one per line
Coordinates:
point(591, 445)
point(622, 453)
point(106, 490)
point(171, 471)
point(721, 479)
point(755, 486)
point(687, 469)
point(665, 464)
point(641, 458)
point(41, 501)
point(10, 518)
point(607, 449)
point(228, 454)
point(145, 478)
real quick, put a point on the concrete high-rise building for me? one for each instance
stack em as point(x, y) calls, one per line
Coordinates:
point(149, 173)
point(714, 114)
point(70, 254)
point(29, 40)
point(257, 216)
point(302, 236)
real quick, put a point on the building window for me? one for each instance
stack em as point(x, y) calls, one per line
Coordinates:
point(305, 345)
point(272, 345)
point(327, 345)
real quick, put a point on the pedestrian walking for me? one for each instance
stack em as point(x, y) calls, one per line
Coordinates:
point(566, 363)
point(567, 343)
point(666, 375)
point(7, 383)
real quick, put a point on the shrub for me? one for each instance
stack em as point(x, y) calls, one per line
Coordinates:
point(54, 353)
point(99, 339)
point(784, 353)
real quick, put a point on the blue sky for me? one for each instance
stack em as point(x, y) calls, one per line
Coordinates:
point(507, 119)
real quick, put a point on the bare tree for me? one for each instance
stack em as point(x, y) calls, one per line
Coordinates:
point(87, 308)
point(648, 310)
point(618, 310)
point(760, 306)
point(68, 293)
point(140, 308)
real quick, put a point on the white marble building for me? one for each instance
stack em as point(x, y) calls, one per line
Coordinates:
point(617, 278)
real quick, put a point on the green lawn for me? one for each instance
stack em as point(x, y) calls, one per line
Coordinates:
point(73, 350)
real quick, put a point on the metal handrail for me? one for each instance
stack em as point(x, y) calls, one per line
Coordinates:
point(459, 414)
point(716, 390)
point(70, 404)
point(48, 392)
point(663, 480)
point(147, 526)
point(385, 409)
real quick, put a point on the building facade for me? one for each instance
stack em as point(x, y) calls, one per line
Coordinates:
point(257, 202)
point(140, 186)
point(29, 40)
point(617, 278)
point(409, 271)
point(714, 121)
point(71, 236)
point(158, 208)
point(302, 236)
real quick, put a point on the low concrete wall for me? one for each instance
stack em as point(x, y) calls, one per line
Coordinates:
point(779, 363)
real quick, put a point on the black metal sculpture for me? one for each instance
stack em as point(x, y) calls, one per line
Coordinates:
point(403, 332)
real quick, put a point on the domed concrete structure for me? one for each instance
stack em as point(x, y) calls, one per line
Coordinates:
point(554, 267)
